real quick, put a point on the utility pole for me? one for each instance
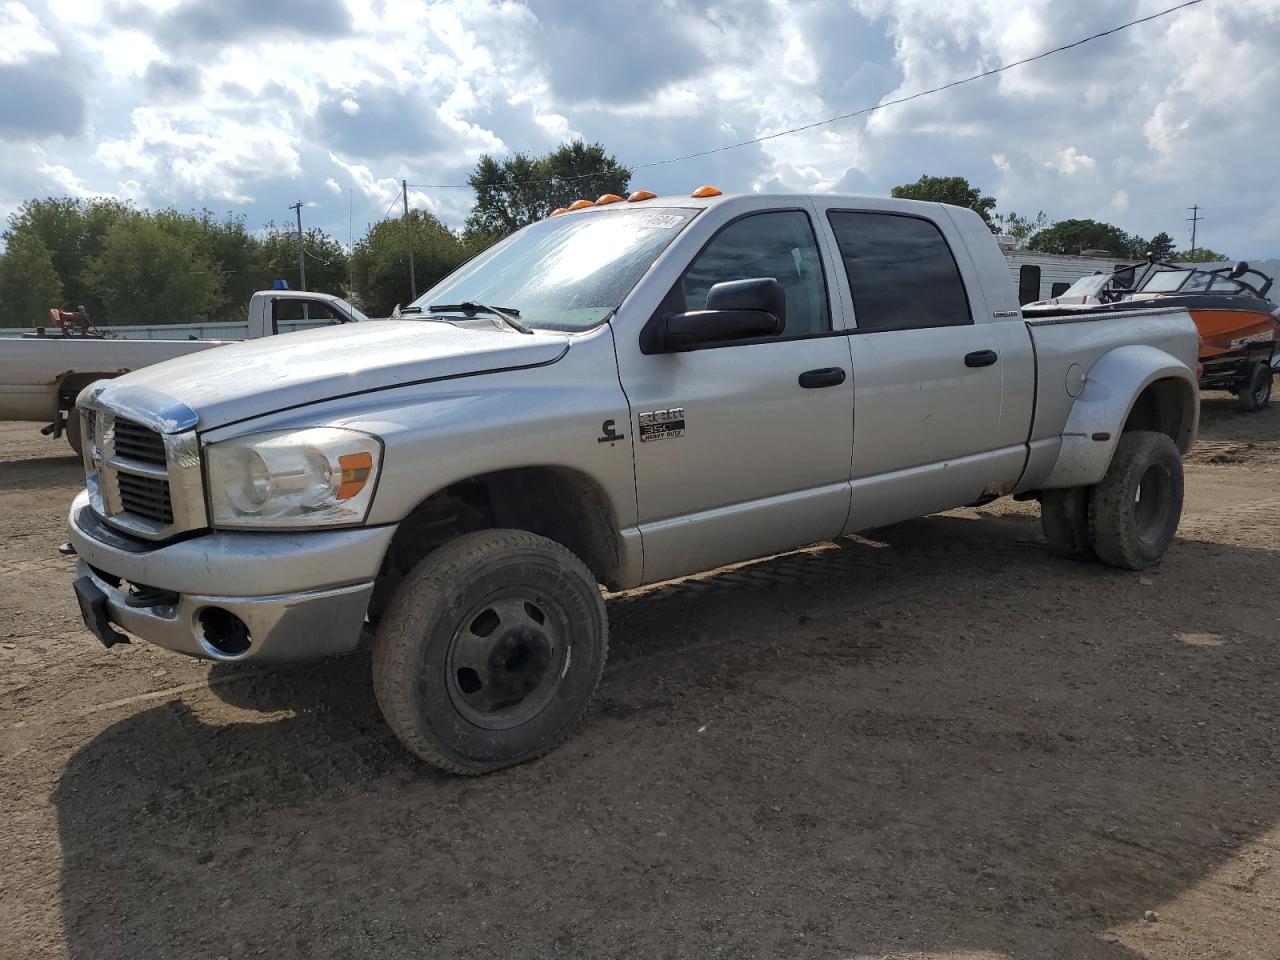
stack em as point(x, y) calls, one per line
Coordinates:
point(408, 241)
point(1195, 219)
point(302, 263)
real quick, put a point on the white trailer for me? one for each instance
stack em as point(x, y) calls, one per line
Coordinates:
point(1039, 276)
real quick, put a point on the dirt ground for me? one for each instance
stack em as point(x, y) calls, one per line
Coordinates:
point(937, 741)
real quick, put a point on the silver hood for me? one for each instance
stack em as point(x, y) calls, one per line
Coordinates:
point(241, 380)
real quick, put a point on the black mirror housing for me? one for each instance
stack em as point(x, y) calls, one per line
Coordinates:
point(758, 293)
point(748, 309)
point(699, 327)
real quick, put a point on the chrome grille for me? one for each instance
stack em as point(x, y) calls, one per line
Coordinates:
point(136, 442)
point(141, 480)
point(145, 496)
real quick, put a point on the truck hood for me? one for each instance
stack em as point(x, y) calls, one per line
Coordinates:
point(229, 383)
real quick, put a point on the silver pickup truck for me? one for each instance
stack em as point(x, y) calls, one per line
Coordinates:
point(41, 376)
point(620, 394)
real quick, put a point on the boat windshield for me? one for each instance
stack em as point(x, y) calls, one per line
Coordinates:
point(563, 273)
point(1089, 286)
point(1165, 281)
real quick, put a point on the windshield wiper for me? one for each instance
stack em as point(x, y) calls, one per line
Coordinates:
point(508, 315)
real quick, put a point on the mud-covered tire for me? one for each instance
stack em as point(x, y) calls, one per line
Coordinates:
point(1064, 517)
point(1134, 511)
point(1254, 393)
point(471, 639)
point(71, 430)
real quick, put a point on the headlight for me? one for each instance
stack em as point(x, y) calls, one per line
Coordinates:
point(323, 476)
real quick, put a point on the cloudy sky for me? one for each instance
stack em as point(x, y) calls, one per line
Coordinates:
point(249, 105)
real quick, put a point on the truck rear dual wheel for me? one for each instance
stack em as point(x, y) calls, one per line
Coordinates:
point(1129, 519)
point(1064, 517)
point(490, 651)
point(1254, 392)
point(1134, 511)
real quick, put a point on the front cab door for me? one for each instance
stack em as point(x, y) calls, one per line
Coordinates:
point(738, 453)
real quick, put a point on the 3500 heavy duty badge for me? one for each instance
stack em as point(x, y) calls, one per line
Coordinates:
point(662, 424)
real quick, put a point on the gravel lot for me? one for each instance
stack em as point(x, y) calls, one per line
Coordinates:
point(934, 741)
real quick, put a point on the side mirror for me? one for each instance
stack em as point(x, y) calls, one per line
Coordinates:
point(736, 310)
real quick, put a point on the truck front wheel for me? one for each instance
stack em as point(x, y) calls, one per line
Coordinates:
point(1064, 517)
point(490, 651)
point(1134, 511)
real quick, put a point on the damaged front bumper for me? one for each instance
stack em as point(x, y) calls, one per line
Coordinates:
point(228, 596)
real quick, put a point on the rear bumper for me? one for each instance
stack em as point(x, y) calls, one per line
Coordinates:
point(299, 595)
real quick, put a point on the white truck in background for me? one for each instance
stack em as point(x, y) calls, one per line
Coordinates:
point(40, 376)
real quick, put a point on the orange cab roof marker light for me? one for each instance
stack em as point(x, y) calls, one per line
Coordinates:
point(641, 195)
point(705, 191)
point(580, 204)
point(559, 210)
point(607, 198)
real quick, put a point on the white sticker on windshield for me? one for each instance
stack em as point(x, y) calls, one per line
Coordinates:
point(663, 221)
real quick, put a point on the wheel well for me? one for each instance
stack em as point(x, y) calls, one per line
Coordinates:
point(555, 502)
point(1165, 406)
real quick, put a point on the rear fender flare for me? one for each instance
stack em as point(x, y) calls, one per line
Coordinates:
point(1098, 416)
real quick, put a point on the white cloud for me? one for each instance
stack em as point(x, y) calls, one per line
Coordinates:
point(1130, 128)
point(24, 37)
point(1071, 161)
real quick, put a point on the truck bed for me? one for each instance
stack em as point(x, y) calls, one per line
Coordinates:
point(34, 370)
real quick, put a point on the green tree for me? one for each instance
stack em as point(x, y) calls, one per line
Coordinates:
point(380, 261)
point(1161, 246)
point(1076, 236)
point(235, 253)
point(1021, 228)
point(151, 271)
point(72, 231)
point(953, 190)
point(328, 266)
point(522, 189)
point(29, 285)
point(1198, 255)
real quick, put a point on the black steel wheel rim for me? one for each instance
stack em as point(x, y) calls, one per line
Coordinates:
point(1263, 394)
point(1151, 503)
point(508, 658)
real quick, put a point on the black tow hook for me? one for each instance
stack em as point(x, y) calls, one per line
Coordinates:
point(67, 549)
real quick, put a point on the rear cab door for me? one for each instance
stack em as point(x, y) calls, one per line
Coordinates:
point(932, 369)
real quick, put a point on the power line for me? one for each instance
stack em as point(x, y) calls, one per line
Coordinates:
point(844, 116)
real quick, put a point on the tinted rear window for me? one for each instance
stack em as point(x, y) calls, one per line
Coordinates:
point(901, 272)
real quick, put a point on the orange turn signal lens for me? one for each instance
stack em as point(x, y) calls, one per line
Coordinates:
point(356, 469)
point(559, 210)
point(705, 191)
point(607, 198)
point(580, 204)
point(642, 195)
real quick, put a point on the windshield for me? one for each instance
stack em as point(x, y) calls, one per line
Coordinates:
point(566, 272)
point(1165, 281)
point(356, 315)
point(1089, 286)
